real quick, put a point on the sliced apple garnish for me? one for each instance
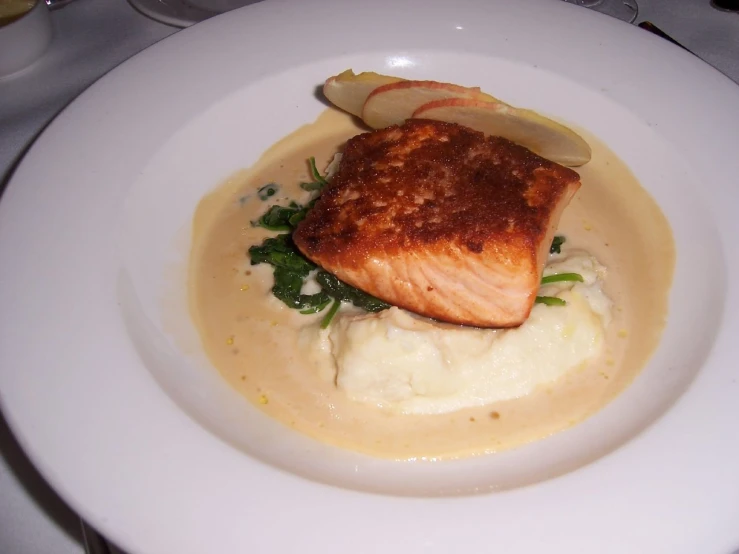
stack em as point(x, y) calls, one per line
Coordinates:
point(393, 103)
point(349, 91)
point(545, 137)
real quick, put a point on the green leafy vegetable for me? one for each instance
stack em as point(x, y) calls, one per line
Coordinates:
point(557, 243)
point(280, 252)
point(316, 309)
point(299, 216)
point(290, 271)
point(326, 321)
point(314, 171)
point(291, 268)
point(277, 218)
point(267, 191)
point(550, 301)
point(560, 277)
point(287, 287)
point(341, 291)
point(310, 187)
point(318, 180)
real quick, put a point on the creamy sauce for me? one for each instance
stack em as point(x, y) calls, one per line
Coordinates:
point(258, 346)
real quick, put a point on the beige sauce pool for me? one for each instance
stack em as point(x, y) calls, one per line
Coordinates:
point(255, 342)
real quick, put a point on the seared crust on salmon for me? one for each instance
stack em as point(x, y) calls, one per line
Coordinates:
point(440, 220)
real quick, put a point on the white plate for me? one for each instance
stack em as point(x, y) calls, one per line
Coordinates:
point(141, 436)
point(183, 13)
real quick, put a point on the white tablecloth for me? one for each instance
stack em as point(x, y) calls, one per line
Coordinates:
point(92, 37)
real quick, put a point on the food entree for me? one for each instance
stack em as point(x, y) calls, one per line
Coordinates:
point(423, 282)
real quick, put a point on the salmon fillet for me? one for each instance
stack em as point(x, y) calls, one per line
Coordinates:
point(440, 220)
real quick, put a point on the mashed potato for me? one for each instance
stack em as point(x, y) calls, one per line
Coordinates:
point(405, 363)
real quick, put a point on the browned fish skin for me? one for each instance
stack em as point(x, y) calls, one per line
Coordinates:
point(440, 220)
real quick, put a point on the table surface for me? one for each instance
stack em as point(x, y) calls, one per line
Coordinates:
point(90, 38)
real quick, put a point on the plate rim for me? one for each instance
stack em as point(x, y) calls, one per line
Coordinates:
point(250, 16)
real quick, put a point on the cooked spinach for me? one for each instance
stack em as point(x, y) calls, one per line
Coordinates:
point(310, 187)
point(341, 291)
point(326, 321)
point(314, 171)
point(287, 287)
point(291, 268)
point(277, 218)
point(290, 271)
point(550, 301)
point(557, 243)
point(268, 191)
point(300, 214)
point(280, 251)
point(556, 248)
point(560, 277)
point(319, 181)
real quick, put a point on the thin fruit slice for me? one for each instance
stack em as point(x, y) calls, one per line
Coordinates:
point(349, 91)
point(393, 103)
point(543, 136)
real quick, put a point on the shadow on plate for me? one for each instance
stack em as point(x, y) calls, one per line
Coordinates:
point(42, 494)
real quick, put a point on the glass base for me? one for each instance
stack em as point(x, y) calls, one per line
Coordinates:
point(625, 10)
